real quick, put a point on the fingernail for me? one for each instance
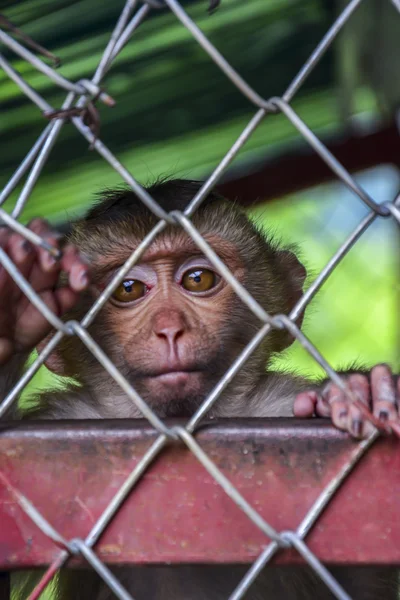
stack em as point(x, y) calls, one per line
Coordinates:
point(78, 278)
point(383, 416)
point(50, 261)
point(26, 246)
point(356, 427)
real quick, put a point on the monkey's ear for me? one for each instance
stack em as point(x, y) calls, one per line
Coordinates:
point(55, 362)
point(294, 274)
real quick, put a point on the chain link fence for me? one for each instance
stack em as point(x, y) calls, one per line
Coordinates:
point(79, 108)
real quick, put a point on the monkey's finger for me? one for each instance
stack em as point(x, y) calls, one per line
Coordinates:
point(334, 398)
point(345, 416)
point(331, 396)
point(22, 253)
point(383, 391)
point(358, 424)
point(66, 299)
point(304, 404)
point(45, 270)
point(360, 388)
point(71, 262)
point(47, 262)
point(76, 267)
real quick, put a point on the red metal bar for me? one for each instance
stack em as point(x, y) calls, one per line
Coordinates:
point(178, 513)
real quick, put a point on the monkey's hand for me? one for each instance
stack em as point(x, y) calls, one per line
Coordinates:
point(22, 326)
point(379, 390)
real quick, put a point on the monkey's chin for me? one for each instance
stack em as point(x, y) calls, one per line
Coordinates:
point(176, 393)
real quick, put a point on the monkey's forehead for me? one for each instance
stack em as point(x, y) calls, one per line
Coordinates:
point(103, 240)
point(179, 247)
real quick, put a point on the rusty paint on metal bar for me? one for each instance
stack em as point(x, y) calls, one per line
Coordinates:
point(178, 513)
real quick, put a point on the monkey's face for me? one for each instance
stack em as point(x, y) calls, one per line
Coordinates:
point(170, 322)
point(174, 327)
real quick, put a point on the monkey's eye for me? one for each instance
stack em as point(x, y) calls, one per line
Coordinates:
point(199, 280)
point(129, 291)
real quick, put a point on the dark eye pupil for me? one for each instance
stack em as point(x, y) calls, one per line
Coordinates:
point(128, 285)
point(197, 278)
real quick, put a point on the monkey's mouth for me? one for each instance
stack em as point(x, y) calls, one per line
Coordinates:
point(175, 376)
point(177, 379)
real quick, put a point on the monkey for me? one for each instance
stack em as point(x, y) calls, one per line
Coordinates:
point(173, 327)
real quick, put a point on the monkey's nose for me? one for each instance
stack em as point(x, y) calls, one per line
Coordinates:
point(170, 326)
point(171, 334)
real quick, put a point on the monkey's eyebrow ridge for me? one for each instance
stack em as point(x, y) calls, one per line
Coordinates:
point(159, 249)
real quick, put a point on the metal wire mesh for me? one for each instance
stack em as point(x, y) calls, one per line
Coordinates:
point(79, 96)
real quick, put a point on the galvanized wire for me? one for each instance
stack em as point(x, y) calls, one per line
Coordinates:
point(81, 93)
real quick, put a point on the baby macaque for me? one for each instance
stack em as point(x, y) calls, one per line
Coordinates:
point(173, 327)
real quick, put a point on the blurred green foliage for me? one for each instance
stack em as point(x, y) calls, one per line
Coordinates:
point(169, 94)
point(354, 318)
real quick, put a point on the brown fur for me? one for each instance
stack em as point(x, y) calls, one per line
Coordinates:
point(214, 330)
